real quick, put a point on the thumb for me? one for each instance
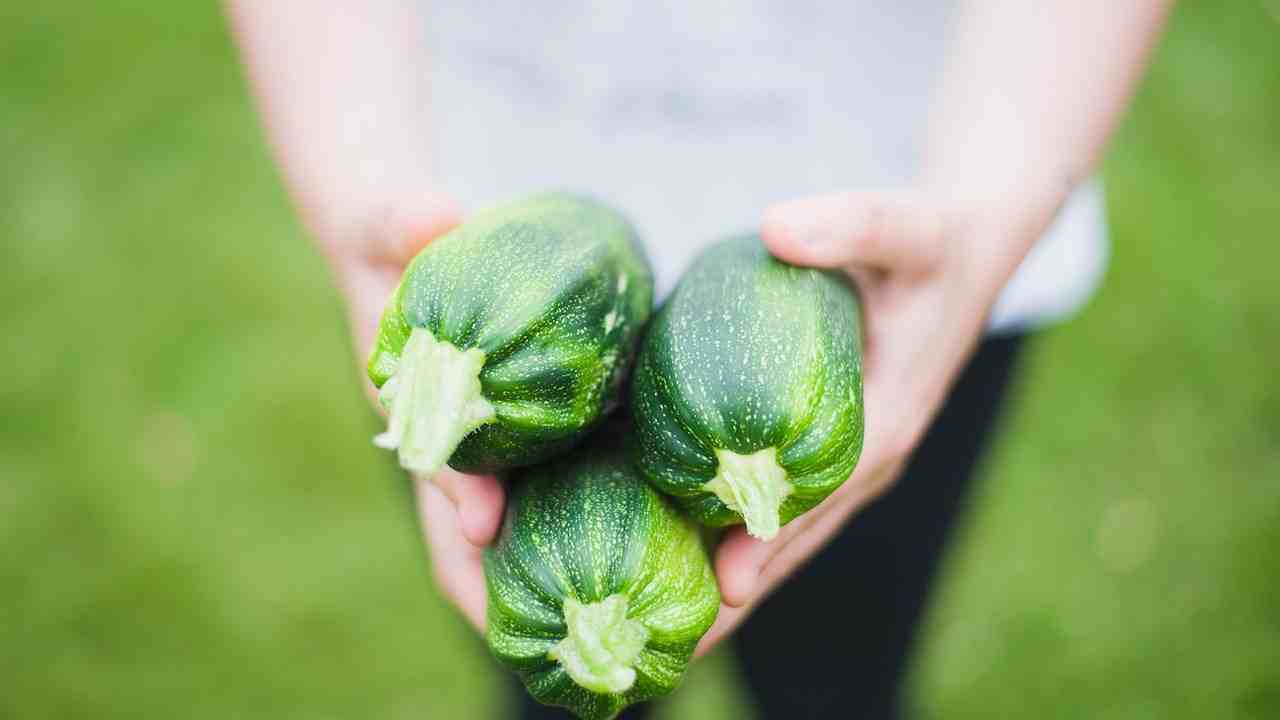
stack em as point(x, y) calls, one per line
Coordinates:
point(479, 501)
point(893, 231)
point(738, 562)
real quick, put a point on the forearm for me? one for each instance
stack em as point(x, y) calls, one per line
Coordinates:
point(342, 88)
point(1029, 95)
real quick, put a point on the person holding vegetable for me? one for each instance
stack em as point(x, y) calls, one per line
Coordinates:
point(941, 155)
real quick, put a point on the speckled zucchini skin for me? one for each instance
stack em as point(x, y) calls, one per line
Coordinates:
point(554, 290)
point(750, 353)
point(587, 526)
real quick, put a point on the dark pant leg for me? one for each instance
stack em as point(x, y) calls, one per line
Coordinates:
point(833, 641)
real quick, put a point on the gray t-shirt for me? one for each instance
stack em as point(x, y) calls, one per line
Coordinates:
point(692, 117)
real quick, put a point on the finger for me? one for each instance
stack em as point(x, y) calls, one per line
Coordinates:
point(478, 500)
point(727, 620)
point(740, 558)
point(761, 566)
point(855, 494)
point(747, 567)
point(895, 231)
point(456, 564)
point(738, 565)
point(403, 229)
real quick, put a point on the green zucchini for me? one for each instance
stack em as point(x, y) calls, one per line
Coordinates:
point(748, 389)
point(599, 589)
point(508, 338)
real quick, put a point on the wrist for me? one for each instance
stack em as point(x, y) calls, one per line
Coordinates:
point(998, 219)
point(1021, 201)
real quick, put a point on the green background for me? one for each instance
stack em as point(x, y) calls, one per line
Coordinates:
point(193, 522)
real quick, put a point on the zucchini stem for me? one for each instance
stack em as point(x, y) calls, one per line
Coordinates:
point(753, 486)
point(433, 399)
point(599, 650)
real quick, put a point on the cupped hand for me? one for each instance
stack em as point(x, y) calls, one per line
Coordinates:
point(460, 513)
point(928, 267)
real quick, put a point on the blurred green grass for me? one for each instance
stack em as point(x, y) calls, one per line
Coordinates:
point(194, 523)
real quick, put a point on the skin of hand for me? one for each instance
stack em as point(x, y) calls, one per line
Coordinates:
point(928, 269)
point(1025, 106)
point(343, 89)
point(460, 513)
point(1029, 93)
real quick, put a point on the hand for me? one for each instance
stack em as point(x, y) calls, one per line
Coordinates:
point(928, 268)
point(460, 513)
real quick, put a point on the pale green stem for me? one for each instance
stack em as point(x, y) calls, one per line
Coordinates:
point(600, 648)
point(433, 400)
point(753, 486)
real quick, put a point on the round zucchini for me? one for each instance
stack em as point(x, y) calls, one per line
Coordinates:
point(748, 389)
point(508, 338)
point(599, 589)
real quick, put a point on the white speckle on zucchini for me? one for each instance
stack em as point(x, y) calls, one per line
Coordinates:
point(610, 321)
point(433, 400)
point(601, 645)
point(753, 486)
